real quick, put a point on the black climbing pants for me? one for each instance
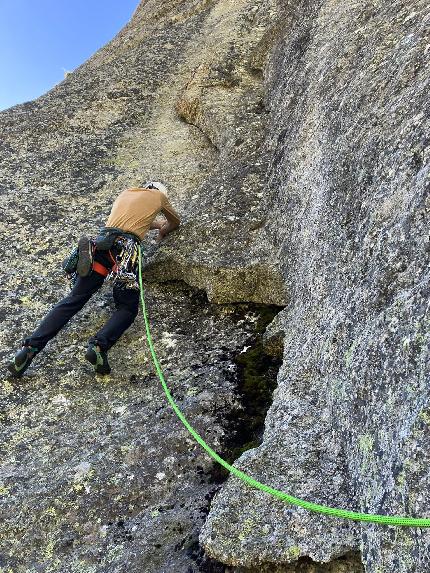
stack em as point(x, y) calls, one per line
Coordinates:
point(126, 309)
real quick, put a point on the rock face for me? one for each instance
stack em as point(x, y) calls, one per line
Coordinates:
point(294, 140)
point(348, 426)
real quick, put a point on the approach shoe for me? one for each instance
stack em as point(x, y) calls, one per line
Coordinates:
point(85, 257)
point(22, 361)
point(98, 359)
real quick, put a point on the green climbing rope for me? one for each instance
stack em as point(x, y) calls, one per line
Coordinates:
point(334, 512)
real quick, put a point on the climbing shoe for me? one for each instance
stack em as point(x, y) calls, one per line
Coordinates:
point(22, 361)
point(98, 359)
point(85, 257)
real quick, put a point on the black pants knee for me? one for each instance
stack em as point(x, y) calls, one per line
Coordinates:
point(126, 309)
point(62, 312)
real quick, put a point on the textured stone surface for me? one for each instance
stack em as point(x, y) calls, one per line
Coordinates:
point(97, 473)
point(348, 103)
point(294, 139)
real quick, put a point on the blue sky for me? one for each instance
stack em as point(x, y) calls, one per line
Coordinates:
point(41, 39)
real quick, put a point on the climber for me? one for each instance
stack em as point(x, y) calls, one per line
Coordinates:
point(133, 214)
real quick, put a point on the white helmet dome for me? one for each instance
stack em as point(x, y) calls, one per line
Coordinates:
point(155, 185)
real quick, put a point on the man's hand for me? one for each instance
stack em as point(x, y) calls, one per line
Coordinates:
point(163, 230)
point(165, 227)
point(156, 225)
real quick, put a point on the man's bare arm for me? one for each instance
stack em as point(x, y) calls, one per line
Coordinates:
point(172, 223)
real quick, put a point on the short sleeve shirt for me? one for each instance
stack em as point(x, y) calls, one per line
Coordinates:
point(135, 209)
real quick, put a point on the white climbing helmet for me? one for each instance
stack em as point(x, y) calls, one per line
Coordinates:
point(155, 185)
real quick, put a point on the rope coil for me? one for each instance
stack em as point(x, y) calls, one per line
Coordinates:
point(396, 520)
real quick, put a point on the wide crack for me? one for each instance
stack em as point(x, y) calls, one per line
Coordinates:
point(348, 563)
point(255, 379)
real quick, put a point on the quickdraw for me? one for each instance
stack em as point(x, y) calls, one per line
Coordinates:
point(124, 272)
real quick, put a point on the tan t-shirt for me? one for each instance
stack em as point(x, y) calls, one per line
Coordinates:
point(134, 210)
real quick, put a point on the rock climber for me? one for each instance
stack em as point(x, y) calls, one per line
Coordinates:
point(133, 214)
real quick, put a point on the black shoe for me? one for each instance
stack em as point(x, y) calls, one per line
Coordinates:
point(98, 359)
point(85, 257)
point(22, 361)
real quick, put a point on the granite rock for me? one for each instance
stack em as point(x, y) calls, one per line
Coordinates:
point(293, 137)
point(347, 102)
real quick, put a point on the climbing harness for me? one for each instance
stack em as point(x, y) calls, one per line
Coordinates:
point(396, 520)
point(124, 272)
point(122, 250)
